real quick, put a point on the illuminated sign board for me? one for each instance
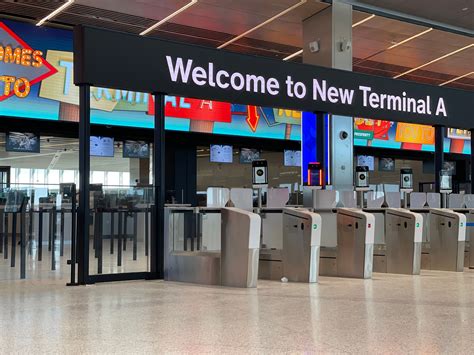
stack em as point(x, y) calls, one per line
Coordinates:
point(207, 73)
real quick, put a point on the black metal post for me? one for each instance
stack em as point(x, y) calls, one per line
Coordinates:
point(23, 240)
point(30, 227)
point(99, 221)
point(13, 252)
point(157, 242)
point(50, 229)
point(147, 233)
point(73, 259)
point(2, 231)
point(84, 171)
point(40, 234)
point(125, 229)
point(53, 227)
point(112, 230)
point(135, 234)
point(119, 238)
point(61, 246)
point(472, 169)
point(439, 154)
point(5, 240)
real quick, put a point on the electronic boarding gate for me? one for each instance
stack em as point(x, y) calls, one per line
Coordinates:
point(470, 235)
point(301, 245)
point(444, 236)
point(464, 203)
point(355, 243)
point(403, 241)
point(398, 235)
point(347, 234)
point(234, 264)
point(447, 240)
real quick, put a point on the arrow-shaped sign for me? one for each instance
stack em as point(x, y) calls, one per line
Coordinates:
point(252, 117)
point(34, 74)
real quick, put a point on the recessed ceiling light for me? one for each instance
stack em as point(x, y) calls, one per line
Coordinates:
point(464, 9)
point(280, 14)
point(169, 17)
point(434, 60)
point(55, 12)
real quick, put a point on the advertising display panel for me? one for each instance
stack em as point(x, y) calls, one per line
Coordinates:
point(41, 86)
point(407, 136)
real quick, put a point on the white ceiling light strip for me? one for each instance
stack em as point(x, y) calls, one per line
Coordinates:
point(293, 55)
point(410, 38)
point(362, 21)
point(457, 78)
point(169, 17)
point(434, 60)
point(55, 12)
point(262, 24)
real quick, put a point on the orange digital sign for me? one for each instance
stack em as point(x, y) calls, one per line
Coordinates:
point(414, 133)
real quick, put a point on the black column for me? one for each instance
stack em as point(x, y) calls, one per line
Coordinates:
point(321, 143)
point(84, 172)
point(439, 154)
point(184, 167)
point(157, 242)
point(472, 162)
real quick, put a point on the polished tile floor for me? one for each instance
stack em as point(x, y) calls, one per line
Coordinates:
point(431, 313)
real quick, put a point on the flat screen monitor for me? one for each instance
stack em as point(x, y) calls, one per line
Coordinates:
point(136, 149)
point(102, 146)
point(248, 155)
point(386, 164)
point(22, 142)
point(366, 160)
point(450, 167)
point(221, 153)
point(292, 158)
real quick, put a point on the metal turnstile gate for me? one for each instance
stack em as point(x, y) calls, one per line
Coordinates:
point(447, 240)
point(301, 245)
point(403, 239)
point(234, 263)
point(355, 243)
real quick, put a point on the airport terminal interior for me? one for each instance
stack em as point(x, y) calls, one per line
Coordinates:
point(265, 176)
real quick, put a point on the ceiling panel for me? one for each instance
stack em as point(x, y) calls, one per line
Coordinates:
point(380, 33)
point(213, 22)
point(458, 13)
point(424, 49)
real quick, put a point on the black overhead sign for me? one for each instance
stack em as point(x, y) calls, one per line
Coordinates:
point(130, 62)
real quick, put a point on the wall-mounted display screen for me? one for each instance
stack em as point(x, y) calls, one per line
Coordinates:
point(366, 160)
point(52, 95)
point(450, 167)
point(407, 136)
point(101, 146)
point(292, 158)
point(386, 164)
point(22, 142)
point(221, 153)
point(248, 155)
point(136, 149)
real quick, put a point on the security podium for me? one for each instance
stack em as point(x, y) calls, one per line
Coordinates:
point(447, 240)
point(301, 245)
point(355, 243)
point(234, 263)
point(403, 240)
